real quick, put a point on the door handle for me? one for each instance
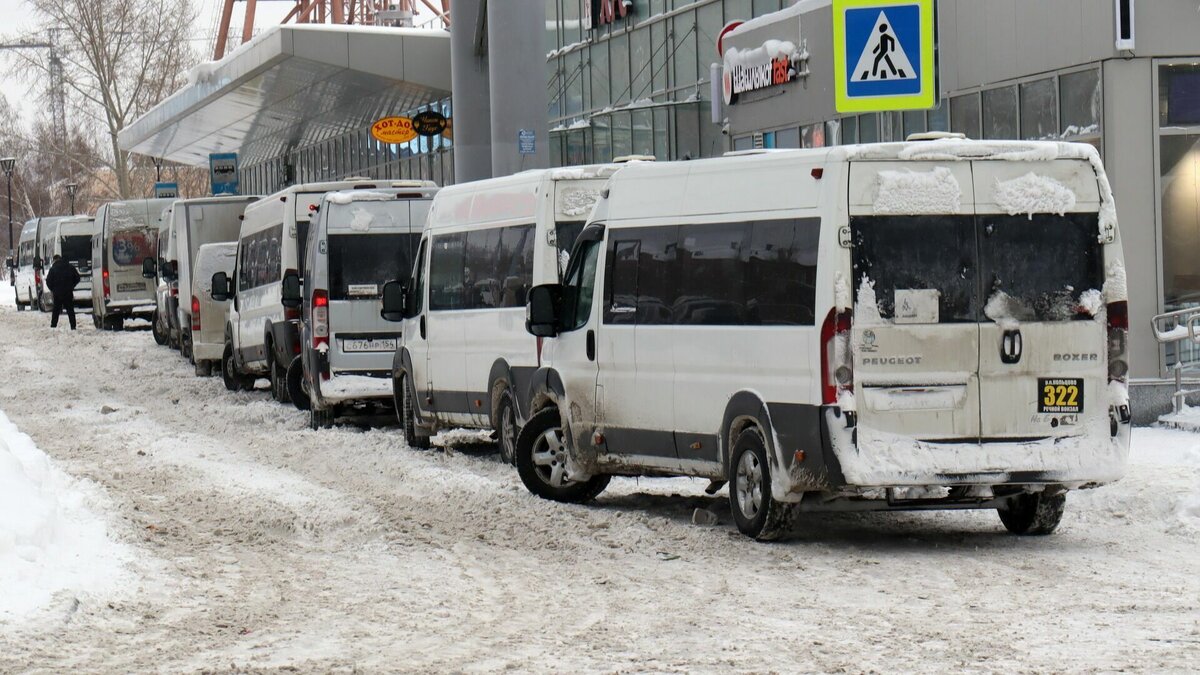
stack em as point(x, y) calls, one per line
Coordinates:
point(1010, 347)
point(591, 345)
point(422, 323)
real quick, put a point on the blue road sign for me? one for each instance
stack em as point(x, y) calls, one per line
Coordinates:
point(223, 173)
point(527, 141)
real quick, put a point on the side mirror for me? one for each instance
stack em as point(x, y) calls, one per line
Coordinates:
point(149, 268)
point(542, 310)
point(220, 287)
point(395, 301)
point(290, 295)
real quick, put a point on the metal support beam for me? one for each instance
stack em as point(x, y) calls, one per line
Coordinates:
point(471, 95)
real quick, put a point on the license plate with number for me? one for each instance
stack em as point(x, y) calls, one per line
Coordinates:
point(381, 345)
point(1060, 395)
point(129, 288)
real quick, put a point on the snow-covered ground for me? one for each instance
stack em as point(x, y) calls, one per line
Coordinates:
point(253, 543)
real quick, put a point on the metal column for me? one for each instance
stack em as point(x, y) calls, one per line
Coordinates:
point(517, 69)
point(471, 95)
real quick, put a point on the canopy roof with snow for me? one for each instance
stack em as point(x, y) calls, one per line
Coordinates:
point(292, 86)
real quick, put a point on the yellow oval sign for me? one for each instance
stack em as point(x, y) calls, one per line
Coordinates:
point(393, 130)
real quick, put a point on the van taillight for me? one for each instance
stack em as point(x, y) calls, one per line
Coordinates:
point(1118, 340)
point(104, 278)
point(195, 314)
point(837, 368)
point(320, 319)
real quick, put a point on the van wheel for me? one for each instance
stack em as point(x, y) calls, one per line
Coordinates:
point(407, 412)
point(279, 387)
point(320, 419)
point(506, 427)
point(541, 455)
point(229, 374)
point(755, 510)
point(1033, 513)
point(295, 385)
point(160, 338)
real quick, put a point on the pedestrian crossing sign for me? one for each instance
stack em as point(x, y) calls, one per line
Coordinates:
point(883, 55)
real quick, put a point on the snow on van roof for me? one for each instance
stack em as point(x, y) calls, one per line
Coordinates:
point(962, 149)
point(351, 196)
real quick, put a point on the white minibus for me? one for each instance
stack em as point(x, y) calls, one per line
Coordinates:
point(465, 359)
point(126, 234)
point(30, 263)
point(936, 324)
point(71, 238)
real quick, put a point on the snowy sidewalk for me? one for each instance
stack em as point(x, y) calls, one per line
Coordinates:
point(50, 541)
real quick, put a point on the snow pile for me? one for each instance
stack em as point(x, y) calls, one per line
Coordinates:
point(1116, 287)
point(1002, 309)
point(771, 49)
point(1092, 301)
point(950, 149)
point(351, 196)
point(577, 202)
point(1031, 193)
point(49, 541)
point(361, 222)
point(912, 192)
point(356, 387)
point(801, 7)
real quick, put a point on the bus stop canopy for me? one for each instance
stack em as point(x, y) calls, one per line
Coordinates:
point(292, 86)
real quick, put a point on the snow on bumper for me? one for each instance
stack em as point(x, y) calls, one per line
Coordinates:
point(355, 388)
point(880, 459)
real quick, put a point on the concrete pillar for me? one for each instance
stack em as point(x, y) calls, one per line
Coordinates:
point(471, 97)
point(517, 67)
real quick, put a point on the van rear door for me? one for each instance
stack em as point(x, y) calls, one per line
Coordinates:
point(915, 336)
point(1043, 335)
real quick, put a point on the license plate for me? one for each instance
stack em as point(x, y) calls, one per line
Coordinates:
point(380, 345)
point(362, 290)
point(1060, 395)
point(128, 288)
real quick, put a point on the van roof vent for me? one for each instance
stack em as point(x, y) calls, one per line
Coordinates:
point(935, 135)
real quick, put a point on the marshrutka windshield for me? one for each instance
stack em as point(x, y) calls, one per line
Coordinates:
point(979, 268)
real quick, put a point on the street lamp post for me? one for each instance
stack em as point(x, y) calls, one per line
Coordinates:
point(7, 165)
point(71, 188)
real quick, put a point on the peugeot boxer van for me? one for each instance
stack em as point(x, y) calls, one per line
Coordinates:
point(261, 335)
point(208, 316)
point(160, 272)
point(360, 240)
point(71, 238)
point(925, 325)
point(126, 234)
point(465, 359)
point(31, 262)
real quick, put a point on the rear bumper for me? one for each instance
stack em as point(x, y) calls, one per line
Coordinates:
point(359, 386)
point(208, 351)
point(129, 308)
point(859, 459)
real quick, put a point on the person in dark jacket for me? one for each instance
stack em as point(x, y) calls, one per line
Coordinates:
point(62, 280)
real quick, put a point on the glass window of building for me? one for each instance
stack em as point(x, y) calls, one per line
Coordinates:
point(640, 64)
point(622, 134)
point(643, 132)
point(601, 90)
point(1080, 103)
point(743, 143)
point(601, 139)
point(662, 130)
point(812, 136)
point(660, 51)
point(1179, 96)
point(914, 122)
point(573, 82)
point(848, 131)
point(738, 10)
point(709, 23)
point(1179, 166)
point(788, 138)
point(618, 47)
point(868, 128)
point(577, 147)
point(683, 28)
point(687, 131)
point(1039, 108)
point(763, 6)
point(938, 119)
point(964, 115)
point(572, 24)
point(1000, 113)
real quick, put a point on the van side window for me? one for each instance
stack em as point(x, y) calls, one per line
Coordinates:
point(481, 269)
point(446, 272)
point(482, 285)
point(760, 273)
point(418, 283)
point(245, 264)
point(515, 264)
point(580, 285)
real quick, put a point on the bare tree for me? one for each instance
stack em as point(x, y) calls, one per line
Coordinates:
point(119, 58)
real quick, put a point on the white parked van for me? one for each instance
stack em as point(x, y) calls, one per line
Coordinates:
point(71, 238)
point(31, 262)
point(465, 359)
point(923, 325)
point(360, 240)
point(195, 222)
point(208, 316)
point(161, 273)
point(262, 336)
point(126, 234)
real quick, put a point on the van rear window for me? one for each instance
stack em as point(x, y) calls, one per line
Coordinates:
point(360, 264)
point(77, 248)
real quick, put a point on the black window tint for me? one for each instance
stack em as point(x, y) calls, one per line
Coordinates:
point(918, 253)
point(515, 264)
point(580, 286)
point(77, 248)
point(565, 234)
point(781, 272)
point(446, 272)
point(1042, 264)
point(366, 260)
point(621, 278)
point(243, 266)
point(658, 275)
point(302, 245)
point(418, 282)
point(482, 284)
point(711, 275)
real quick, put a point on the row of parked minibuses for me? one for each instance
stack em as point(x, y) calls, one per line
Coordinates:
point(935, 324)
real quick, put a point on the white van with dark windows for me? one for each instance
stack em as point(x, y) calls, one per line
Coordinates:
point(465, 358)
point(166, 285)
point(360, 240)
point(926, 325)
point(30, 263)
point(71, 238)
point(126, 235)
point(262, 337)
